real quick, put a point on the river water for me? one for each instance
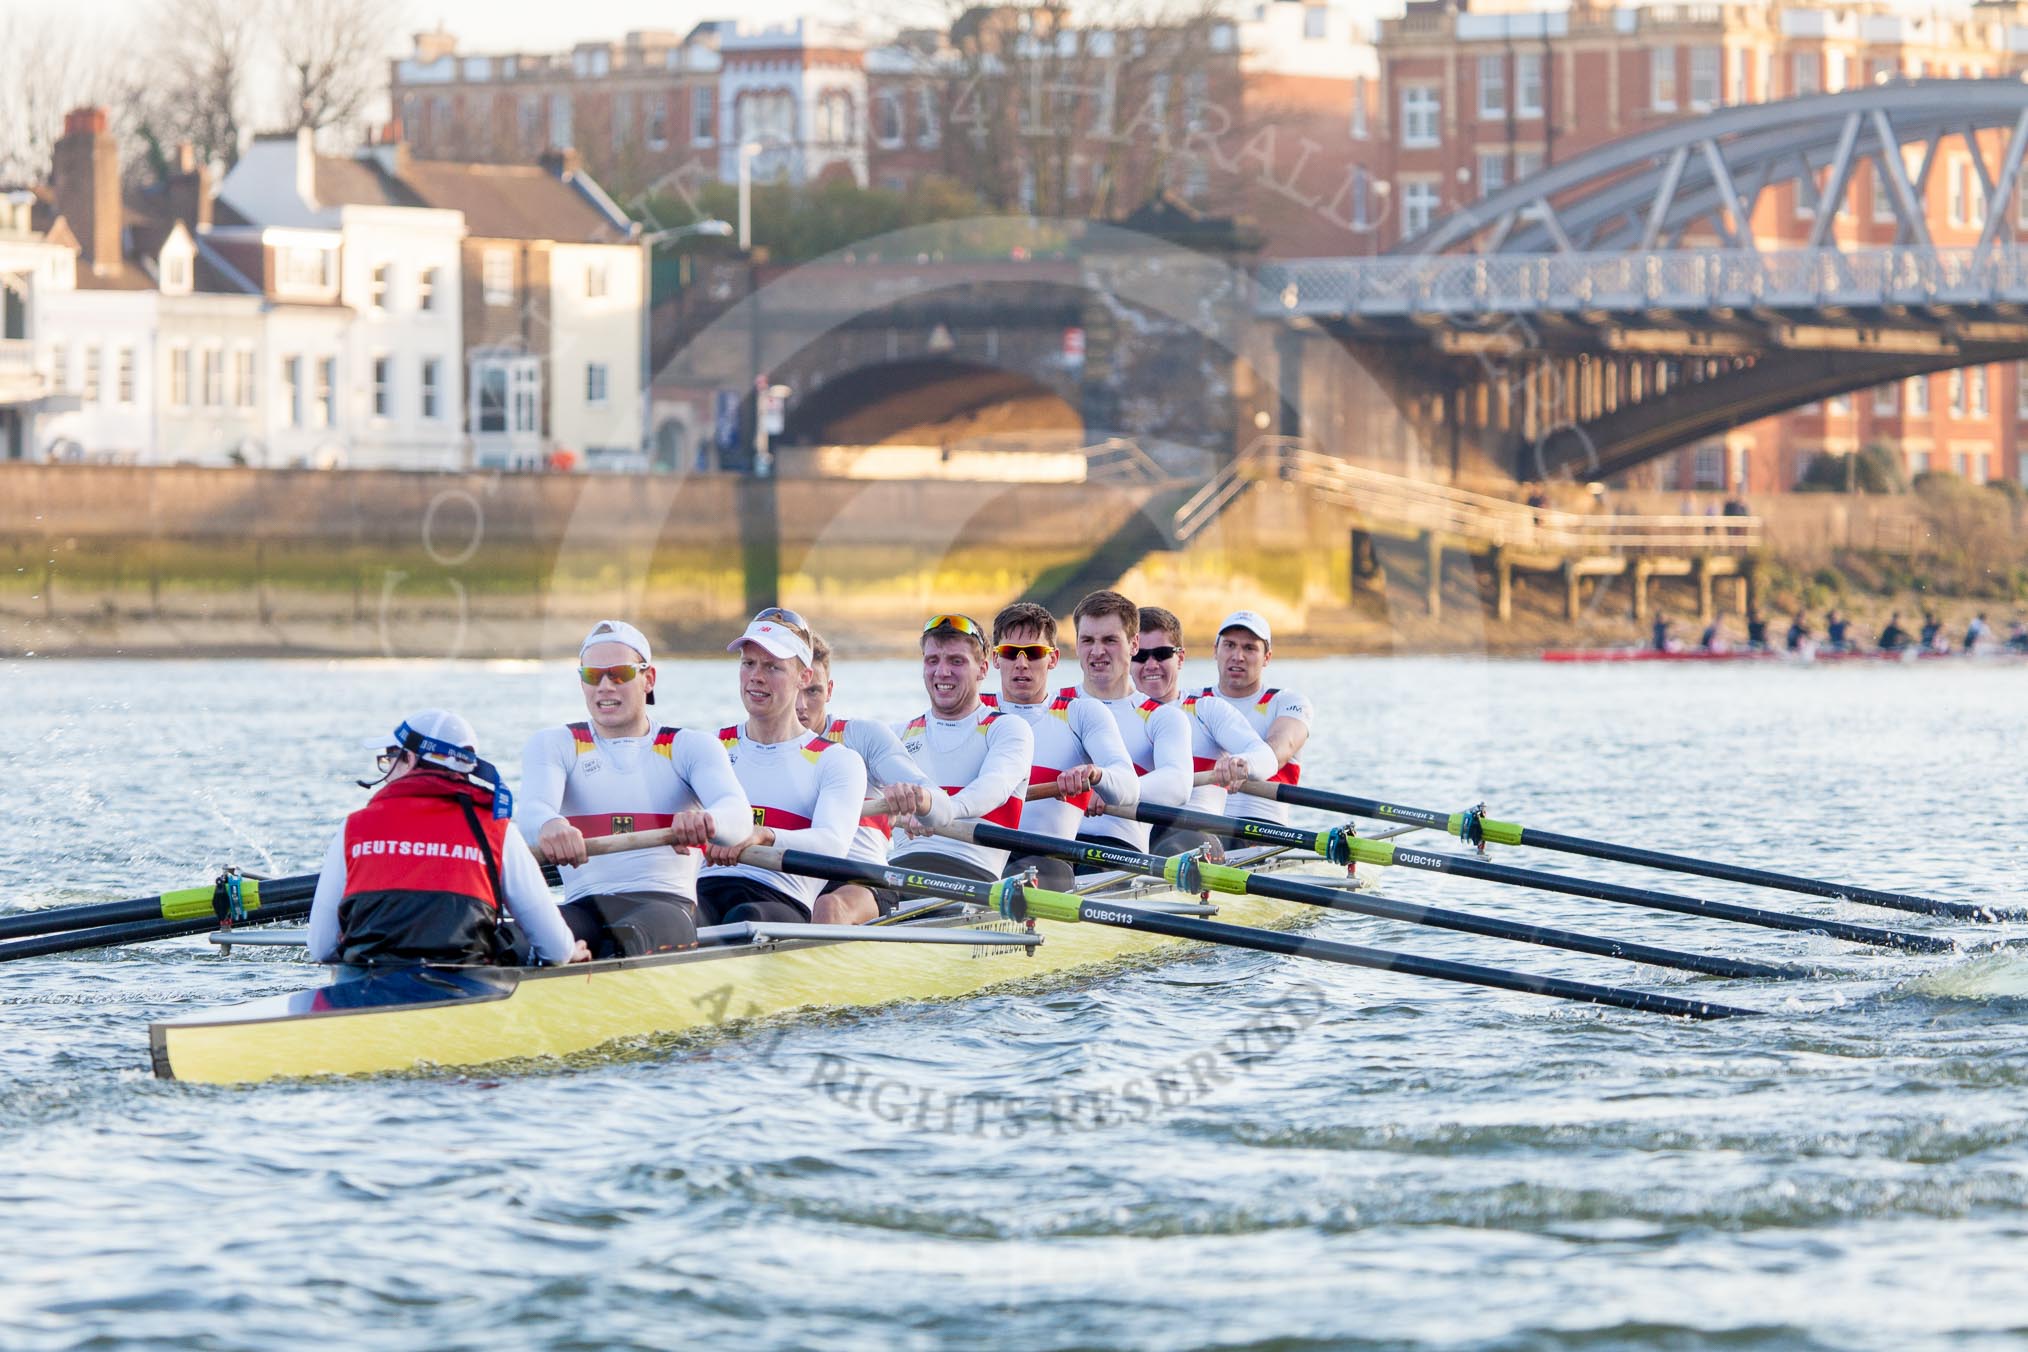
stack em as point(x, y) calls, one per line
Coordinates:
point(1403, 1165)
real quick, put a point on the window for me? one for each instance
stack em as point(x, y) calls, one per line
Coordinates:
point(292, 389)
point(383, 387)
point(1975, 470)
point(123, 378)
point(595, 281)
point(426, 289)
point(887, 117)
point(1884, 398)
point(1980, 405)
point(1704, 83)
point(623, 120)
point(1918, 462)
point(1883, 197)
point(595, 384)
point(302, 268)
point(432, 387)
point(1527, 162)
point(214, 378)
point(243, 391)
point(1315, 21)
point(1492, 171)
point(1709, 468)
point(492, 394)
point(929, 128)
point(2021, 391)
point(1918, 396)
point(767, 116)
point(1739, 77)
point(179, 376)
point(1492, 88)
point(496, 274)
point(1840, 405)
point(836, 119)
point(1419, 109)
point(1362, 198)
point(1528, 84)
point(1662, 79)
point(1359, 128)
point(1956, 385)
point(1803, 78)
point(327, 392)
point(380, 280)
point(59, 368)
point(175, 272)
point(1418, 206)
point(560, 134)
point(703, 115)
point(531, 121)
point(658, 122)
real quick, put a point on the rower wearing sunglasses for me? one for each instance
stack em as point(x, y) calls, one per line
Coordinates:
point(1281, 717)
point(890, 772)
point(976, 760)
point(1078, 749)
point(806, 791)
point(423, 871)
point(617, 772)
point(1157, 735)
point(1222, 741)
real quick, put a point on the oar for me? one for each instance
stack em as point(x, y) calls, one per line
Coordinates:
point(1017, 901)
point(1341, 847)
point(141, 931)
point(1188, 874)
point(1461, 824)
point(185, 904)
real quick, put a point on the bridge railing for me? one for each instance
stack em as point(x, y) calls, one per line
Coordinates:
point(1396, 502)
point(1674, 279)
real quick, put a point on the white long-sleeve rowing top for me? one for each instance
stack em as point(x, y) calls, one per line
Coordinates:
point(887, 762)
point(1217, 729)
point(1071, 731)
point(1157, 738)
point(1260, 710)
point(808, 791)
point(610, 785)
point(977, 766)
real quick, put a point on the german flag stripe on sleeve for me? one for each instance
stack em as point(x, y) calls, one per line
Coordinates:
point(580, 737)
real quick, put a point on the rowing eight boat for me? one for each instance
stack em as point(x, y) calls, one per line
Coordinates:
point(429, 1017)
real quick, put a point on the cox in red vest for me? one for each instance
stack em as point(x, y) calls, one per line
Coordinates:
point(422, 873)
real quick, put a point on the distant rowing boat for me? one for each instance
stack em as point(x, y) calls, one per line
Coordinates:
point(450, 1017)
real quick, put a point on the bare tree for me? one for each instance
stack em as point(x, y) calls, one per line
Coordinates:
point(334, 57)
point(195, 78)
point(55, 64)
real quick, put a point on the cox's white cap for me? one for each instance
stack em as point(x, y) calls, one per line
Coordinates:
point(774, 636)
point(1250, 620)
point(617, 631)
point(443, 732)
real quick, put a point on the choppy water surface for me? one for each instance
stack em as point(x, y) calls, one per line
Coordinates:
point(1408, 1166)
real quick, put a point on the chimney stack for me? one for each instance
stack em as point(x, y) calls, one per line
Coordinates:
point(86, 181)
point(189, 189)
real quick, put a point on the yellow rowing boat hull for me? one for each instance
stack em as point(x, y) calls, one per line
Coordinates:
point(430, 1018)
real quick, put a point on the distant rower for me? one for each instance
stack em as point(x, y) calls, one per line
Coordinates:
point(1222, 741)
point(1078, 748)
point(977, 760)
point(890, 772)
point(1157, 735)
point(1281, 717)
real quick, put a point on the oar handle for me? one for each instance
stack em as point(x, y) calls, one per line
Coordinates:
point(621, 842)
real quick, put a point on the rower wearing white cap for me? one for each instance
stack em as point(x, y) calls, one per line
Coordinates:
point(1157, 735)
point(424, 870)
point(620, 771)
point(806, 790)
point(1222, 741)
point(890, 772)
point(1280, 716)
